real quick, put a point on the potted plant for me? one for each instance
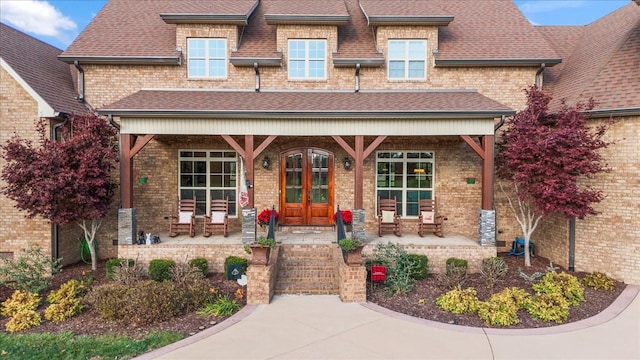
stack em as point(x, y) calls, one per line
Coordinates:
point(347, 218)
point(351, 251)
point(265, 215)
point(260, 250)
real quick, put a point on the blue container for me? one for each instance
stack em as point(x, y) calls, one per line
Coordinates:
point(517, 247)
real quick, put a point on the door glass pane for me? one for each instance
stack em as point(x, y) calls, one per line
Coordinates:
point(293, 186)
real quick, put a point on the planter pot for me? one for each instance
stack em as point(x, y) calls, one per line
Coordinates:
point(260, 254)
point(353, 257)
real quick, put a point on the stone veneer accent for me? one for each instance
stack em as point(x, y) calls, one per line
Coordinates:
point(249, 225)
point(261, 280)
point(487, 227)
point(358, 224)
point(127, 226)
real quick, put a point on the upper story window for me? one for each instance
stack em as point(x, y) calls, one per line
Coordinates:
point(307, 59)
point(207, 58)
point(407, 59)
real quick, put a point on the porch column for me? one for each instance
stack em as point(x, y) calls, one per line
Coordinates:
point(126, 171)
point(249, 157)
point(485, 151)
point(358, 172)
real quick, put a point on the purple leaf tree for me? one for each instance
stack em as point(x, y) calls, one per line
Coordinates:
point(64, 181)
point(542, 156)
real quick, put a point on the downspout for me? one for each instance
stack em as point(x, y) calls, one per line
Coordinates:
point(80, 97)
point(113, 123)
point(54, 227)
point(572, 243)
point(539, 76)
point(255, 67)
point(357, 89)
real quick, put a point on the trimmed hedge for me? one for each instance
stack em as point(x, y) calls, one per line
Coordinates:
point(420, 268)
point(160, 269)
point(201, 264)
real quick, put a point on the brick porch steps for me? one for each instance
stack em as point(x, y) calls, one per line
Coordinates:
point(306, 270)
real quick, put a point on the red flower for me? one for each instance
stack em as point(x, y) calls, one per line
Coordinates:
point(265, 215)
point(347, 216)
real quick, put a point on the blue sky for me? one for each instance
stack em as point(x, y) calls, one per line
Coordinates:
point(58, 22)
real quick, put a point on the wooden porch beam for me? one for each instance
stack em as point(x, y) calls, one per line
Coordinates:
point(358, 159)
point(248, 159)
point(477, 148)
point(140, 142)
point(374, 145)
point(343, 144)
point(234, 144)
point(126, 171)
point(487, 172)
point(263, 145)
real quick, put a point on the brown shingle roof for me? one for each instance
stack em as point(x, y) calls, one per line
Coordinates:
point(305, 11)
point(404, 12)
point(604, 62)
point(307, 104)
point(487, 30)
point(37, 64)
point(490, 29)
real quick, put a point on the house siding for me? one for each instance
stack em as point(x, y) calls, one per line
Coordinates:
point(19, 114)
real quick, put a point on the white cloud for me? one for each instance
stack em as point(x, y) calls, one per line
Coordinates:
point(543, 6)
point(39, 18)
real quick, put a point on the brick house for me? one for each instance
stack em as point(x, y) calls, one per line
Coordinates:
point(41, 87)
point(411, 95)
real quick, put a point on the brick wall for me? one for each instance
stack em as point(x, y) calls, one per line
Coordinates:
point(262, 280)
point(352, 279)
point(18, 115)
point(610, 241)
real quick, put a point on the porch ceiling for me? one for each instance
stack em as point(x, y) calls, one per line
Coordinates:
point(185, 112)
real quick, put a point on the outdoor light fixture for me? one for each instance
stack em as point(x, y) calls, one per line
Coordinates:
point(347, 163)
point(266, 163)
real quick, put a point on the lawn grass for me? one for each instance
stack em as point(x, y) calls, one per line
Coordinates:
point(65, 345)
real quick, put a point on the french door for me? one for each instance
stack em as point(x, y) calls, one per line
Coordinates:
point(306, 187)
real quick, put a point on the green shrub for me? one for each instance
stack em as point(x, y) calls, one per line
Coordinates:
point(65, 302)
point(23, 320)
point(223, 306)
point(233, 260)
point(30, 272)
point(419, 266)
point(492, 269)
point(201, 264)
point(453, 276)
point(144, 303)
point(459, 301)
point(501, 309)
point(552, 306)
point(347, 245)
point(192, 288)
point(20, 301)
point(399, 267)
point(598, 280)
point(160, 269)
point(455, 262)
point(565, 284)
point(112, 264)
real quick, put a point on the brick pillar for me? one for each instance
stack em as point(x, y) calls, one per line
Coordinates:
point(127, 223)
point(487, 227)
point(358, 225)
point(249, 225)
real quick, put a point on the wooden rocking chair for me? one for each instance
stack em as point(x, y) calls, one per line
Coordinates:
point(218, 217)
point(388, 218)
point(185, 220)
point(430, 220)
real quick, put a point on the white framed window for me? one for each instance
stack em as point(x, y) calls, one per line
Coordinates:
point(406, 175)
point(207, 58)
point(307, 59)
point(208, 175)
point(407, 59)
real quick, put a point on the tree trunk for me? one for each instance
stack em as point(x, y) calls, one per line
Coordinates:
point(90, 238)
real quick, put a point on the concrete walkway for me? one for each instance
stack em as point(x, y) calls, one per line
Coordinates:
point(322, 327)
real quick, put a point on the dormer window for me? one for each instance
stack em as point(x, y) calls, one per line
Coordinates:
point(307, 59)
point(207, 58)
point(407, 59)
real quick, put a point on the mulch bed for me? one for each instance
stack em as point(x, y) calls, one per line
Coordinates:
point(421, 302)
